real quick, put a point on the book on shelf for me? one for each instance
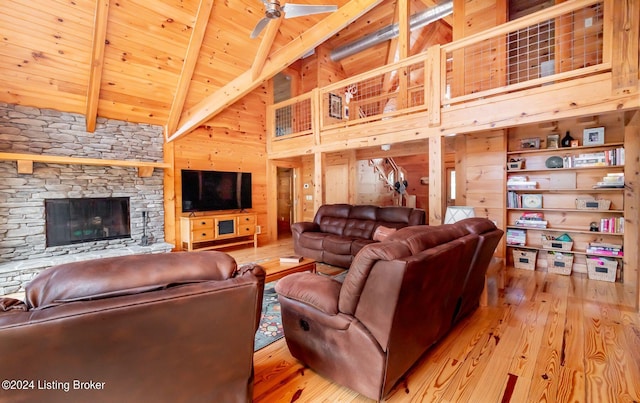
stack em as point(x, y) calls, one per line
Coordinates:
point(608, 249)
point(532, 223)
point(612, 225)
point(291, 259)
point(516, 236)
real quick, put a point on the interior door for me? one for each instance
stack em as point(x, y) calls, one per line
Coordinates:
point(336, 184)
point(285, 201)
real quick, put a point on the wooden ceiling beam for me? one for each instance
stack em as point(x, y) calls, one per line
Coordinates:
point(189, 65)
point(278, 60)
point(97, 62)
point(265, 47)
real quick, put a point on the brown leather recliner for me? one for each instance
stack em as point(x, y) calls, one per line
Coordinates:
point(398, 298)
point(165, 327)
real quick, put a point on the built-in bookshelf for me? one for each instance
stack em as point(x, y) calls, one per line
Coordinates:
point(568, 200)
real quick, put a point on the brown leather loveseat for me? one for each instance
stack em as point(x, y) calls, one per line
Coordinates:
point(399, 297)
point(165, 327)
point(339, 231)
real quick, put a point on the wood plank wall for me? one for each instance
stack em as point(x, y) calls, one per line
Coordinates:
point(484, 176)
point(233, 141)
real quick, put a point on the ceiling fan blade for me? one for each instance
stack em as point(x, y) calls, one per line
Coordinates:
point(299, 10)
point(259, 27)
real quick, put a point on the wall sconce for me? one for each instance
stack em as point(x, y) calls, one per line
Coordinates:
point(457, 213)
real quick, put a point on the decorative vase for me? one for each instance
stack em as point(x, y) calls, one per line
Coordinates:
point(566, 140)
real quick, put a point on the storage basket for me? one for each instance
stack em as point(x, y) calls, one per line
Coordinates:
point(559, 263)
point(593, 204)
point(556, 244)
point(524, 259)
point(603, 269)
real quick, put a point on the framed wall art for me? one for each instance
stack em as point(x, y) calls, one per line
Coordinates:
point(335, 106)
point(530, 143)
point(553, 141)
point(593, 136)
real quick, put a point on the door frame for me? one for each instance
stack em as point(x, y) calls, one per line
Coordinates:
point(272, 194)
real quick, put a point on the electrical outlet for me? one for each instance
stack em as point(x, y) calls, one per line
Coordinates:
point(309, 197)
point(258, 229)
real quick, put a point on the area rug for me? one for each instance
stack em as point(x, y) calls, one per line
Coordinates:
point(270, 328)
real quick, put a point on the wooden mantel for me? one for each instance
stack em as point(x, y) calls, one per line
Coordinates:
point(25, 162)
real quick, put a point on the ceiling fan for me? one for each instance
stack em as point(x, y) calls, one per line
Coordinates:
point(273, 10)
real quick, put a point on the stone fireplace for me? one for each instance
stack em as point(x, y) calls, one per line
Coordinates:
point(23, 240)
point(86, 219)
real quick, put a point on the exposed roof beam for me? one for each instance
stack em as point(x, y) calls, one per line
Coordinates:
point(189, 65)
point(265, 47)
point(283, 57)
point(405, 31)
point(97, 61)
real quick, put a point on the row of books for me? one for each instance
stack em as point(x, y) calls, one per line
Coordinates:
point(520, 182)
point(613, 157)
point(613, 225)
point(514, 200)
point(607, 249)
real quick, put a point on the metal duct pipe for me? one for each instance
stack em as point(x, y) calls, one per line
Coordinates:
point(416, 21)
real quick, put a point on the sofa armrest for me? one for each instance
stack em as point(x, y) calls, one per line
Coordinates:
point(304, 226)
point(311, 289)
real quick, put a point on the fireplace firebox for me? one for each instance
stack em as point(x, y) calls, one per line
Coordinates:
point(77, 220)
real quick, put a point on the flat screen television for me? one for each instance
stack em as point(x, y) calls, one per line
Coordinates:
point(215, 190)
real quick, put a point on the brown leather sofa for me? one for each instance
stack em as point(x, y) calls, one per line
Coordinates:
point(339, 231)
point(165, 327)
point(399, 297)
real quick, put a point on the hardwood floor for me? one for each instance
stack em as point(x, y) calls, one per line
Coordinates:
point(545, 337)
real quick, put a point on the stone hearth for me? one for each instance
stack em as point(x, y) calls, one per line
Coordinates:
point(29, 130)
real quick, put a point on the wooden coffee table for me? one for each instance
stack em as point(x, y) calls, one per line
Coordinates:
point(276, 270)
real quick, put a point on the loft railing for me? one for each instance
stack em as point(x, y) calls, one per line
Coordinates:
point(561, 43)
point(557, 44)
point(383, 93)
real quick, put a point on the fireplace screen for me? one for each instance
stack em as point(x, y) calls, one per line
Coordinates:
point(70, 221)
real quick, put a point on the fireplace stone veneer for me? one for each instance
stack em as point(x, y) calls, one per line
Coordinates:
point(22, 208)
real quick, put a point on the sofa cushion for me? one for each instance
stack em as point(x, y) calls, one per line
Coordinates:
point(365, 212)
point(357, 228)
point(394, 216)
point(124, 275)
point(312, 240)
point(339, 245)
point(333, 225)
point(422, 237)
point(358, 244)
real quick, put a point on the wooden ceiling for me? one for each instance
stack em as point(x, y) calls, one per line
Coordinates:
point(174, 63)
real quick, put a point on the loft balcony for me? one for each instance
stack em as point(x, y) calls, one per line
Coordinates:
point(574, 59)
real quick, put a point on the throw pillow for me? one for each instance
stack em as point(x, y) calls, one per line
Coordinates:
point(381, 233)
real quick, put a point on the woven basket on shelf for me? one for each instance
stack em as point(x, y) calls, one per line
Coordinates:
point(602, 269)
point(593, 204)
point(559, 263)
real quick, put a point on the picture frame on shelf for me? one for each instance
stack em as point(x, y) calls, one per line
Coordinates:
point(593, 136)
point(532, 143)
point(553, 141)
point(533, 201)
point(575, 143)
point(335, 106)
